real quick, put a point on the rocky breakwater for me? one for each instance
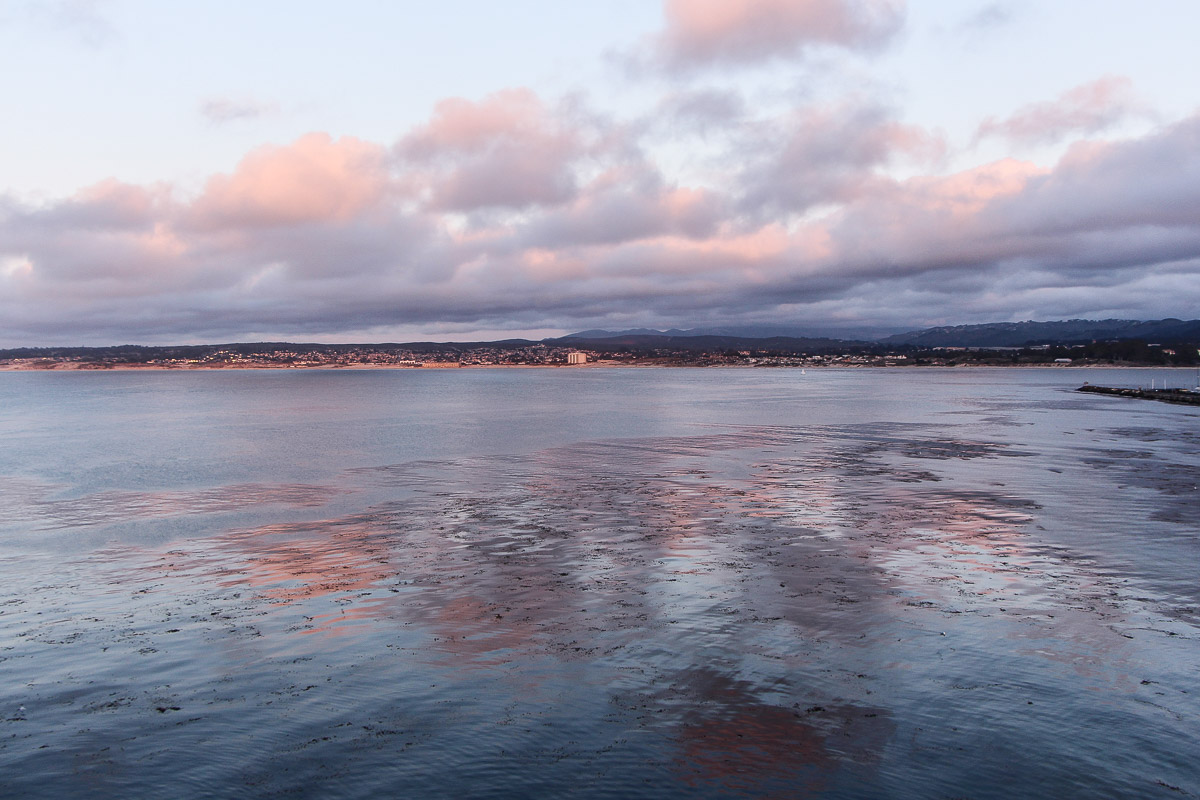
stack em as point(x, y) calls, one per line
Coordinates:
point(1183, 396)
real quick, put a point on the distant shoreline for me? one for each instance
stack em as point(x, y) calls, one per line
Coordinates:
point(92, 367)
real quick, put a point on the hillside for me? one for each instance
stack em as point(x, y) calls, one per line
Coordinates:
point(1076, 331)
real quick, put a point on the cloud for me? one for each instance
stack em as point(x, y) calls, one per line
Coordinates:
point(506, 151)
point(701, 33)
point(109, 205)
point(827, 154)
point(992, 15)
point(321, 236)
point(86, 20)
point(622, 206)
point(221, 110)
point(1102, 210)
point(1086, 109)
point(702, 110)
point(314, 179)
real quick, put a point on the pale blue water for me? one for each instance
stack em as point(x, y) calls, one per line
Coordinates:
point(597, 583)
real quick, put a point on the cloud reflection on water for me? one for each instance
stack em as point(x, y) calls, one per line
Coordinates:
point(748, 600)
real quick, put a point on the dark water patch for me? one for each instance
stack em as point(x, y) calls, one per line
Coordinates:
point(1153, 434)
point(1176, 486)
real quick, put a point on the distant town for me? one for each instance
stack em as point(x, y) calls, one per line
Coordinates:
point(597, 348)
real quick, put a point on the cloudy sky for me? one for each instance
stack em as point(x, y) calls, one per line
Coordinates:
point(387, 171)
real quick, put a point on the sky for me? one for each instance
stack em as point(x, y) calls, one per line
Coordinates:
point(373, 171)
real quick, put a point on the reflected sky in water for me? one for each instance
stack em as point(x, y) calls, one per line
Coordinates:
point(600, 583)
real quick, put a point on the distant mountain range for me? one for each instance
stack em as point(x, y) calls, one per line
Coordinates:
point(995, 334)
point(1075, 331)
point(687, 341)
point(856, 334)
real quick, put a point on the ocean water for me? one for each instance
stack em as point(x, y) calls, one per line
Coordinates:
point(598, 583)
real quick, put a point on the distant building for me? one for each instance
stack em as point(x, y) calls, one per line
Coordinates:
point(576, 358)
point(1062, 361)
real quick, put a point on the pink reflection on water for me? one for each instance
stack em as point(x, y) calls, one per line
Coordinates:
point(287, 570)
point(728, 737)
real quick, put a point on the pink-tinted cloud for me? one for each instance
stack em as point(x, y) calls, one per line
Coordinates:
point(461, 126)
point(1085, 109)
point(704, 32)
point(508, 150)
point(314, 179)
point(112, 204)
point(960, 196)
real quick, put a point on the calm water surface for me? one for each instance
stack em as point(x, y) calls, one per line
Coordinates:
point(597, 583)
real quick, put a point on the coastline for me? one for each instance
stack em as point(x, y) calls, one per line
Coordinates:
point(69, 366)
